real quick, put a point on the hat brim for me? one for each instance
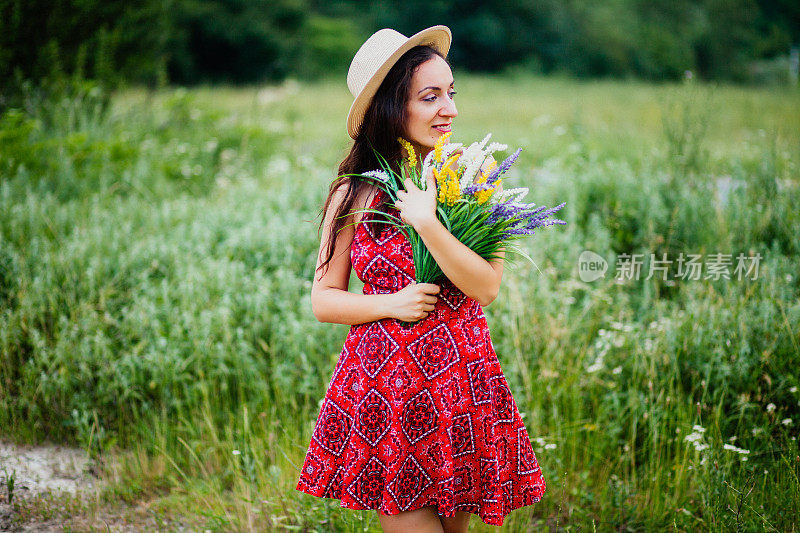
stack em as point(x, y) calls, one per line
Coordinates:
point(438, 37)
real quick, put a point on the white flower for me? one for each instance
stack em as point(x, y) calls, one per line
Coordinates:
point(733, 448)
point(448, 149)
point(692, 437)
point(617, 370)
point(473, 156)
point(770, 407)
point(236, 452)
point(695, 438)
point(596, 366)
point(549, 446)
point(493, 147)
point(786, 421)
point(514, 195)
point(379, 175)
point(793, 390)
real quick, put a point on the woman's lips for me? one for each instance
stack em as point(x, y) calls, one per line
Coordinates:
point(443, 129)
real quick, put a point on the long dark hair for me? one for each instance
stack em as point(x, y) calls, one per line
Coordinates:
point(384, 121)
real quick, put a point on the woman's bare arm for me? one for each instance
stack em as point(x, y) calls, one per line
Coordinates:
point(332, 302)
point(474, 276)
point(330, 299)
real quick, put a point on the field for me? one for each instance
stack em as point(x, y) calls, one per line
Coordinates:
point(157, 251)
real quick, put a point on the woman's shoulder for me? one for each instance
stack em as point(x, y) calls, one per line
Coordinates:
point(364, 198)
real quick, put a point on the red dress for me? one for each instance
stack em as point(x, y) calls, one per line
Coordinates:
point(420, 415)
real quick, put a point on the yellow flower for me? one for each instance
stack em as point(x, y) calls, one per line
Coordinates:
point(412, 155)
point(451, 161)
point(437, 147)
point(483, 196)
point(453, 190)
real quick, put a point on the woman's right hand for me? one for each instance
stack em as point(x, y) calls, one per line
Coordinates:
point(414, 302)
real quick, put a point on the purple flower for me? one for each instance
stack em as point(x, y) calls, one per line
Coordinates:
point(522, 219)
point(475, 188)
point(502, 167)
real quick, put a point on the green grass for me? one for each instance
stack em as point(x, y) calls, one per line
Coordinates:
point(156, 260)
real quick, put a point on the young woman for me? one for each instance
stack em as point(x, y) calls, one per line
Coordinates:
point(418, 421)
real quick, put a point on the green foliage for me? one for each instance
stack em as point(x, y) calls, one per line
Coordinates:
point(235, 40)
point(156, 261)
point(106, 41)
point(331, 43)
point(196, 41)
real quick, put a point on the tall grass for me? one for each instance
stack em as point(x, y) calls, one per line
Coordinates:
point(156, 259)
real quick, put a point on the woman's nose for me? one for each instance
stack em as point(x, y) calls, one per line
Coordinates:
point(449, 110)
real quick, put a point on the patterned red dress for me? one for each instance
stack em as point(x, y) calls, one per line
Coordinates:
point(419, 415)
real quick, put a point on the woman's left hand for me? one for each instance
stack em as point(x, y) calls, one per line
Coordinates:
point(417, 207)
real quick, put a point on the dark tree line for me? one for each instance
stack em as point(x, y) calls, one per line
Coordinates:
point(196, 41)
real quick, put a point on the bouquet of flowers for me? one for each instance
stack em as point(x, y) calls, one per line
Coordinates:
point(469, 203)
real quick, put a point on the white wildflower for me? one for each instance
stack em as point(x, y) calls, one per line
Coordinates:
point(733, 448)
point(617, 370)
point(236, 452)
point(786, 421)
point(693, 437)
point(471, 167)
point(793, 390)
point(494, 147)
point(448, 149)
point(597, 365)
point(770, 407)
point(550, 446)
point(379, 175)
point(513, 195)
point(473, 156)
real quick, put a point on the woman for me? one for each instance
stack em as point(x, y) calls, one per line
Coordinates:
point(418, 421)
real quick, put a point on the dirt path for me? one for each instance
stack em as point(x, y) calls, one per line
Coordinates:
point(36, 471)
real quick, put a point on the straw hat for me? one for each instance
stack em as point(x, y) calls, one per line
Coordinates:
point(374, 60)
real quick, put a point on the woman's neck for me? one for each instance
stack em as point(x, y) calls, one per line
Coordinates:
point(422, 151)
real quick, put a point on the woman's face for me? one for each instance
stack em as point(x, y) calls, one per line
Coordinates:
point(430, 108)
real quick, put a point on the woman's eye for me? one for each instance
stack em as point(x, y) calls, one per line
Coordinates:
point(433, 97)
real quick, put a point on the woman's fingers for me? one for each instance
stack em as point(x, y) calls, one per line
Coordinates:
point(430, 288)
